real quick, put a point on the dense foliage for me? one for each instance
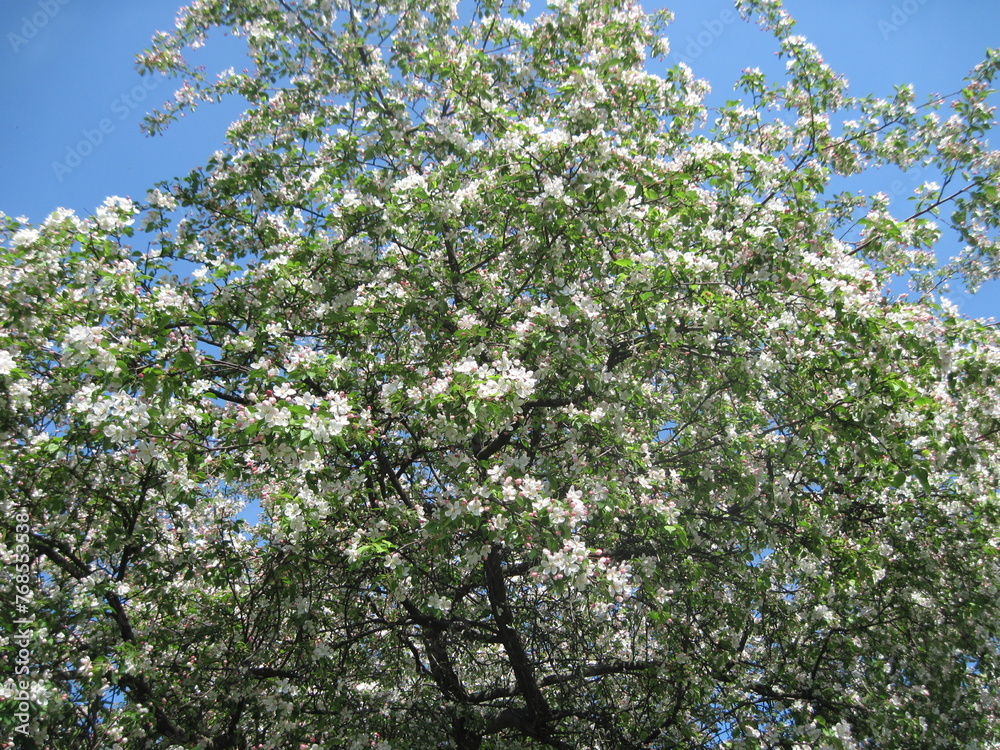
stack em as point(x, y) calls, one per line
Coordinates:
point(577, 415)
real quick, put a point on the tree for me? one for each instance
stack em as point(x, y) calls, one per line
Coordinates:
point(574, 421)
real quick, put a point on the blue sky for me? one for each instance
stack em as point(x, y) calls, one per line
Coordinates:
point(72, 100)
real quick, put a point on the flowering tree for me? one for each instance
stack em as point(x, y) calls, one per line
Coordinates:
point(578, 416)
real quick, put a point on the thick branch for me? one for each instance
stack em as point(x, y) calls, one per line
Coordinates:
point(496, 589)
point(436, 648)
point(229, 397)
point(596, 670)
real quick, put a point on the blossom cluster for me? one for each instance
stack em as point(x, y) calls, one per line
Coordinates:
point(481, 392)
